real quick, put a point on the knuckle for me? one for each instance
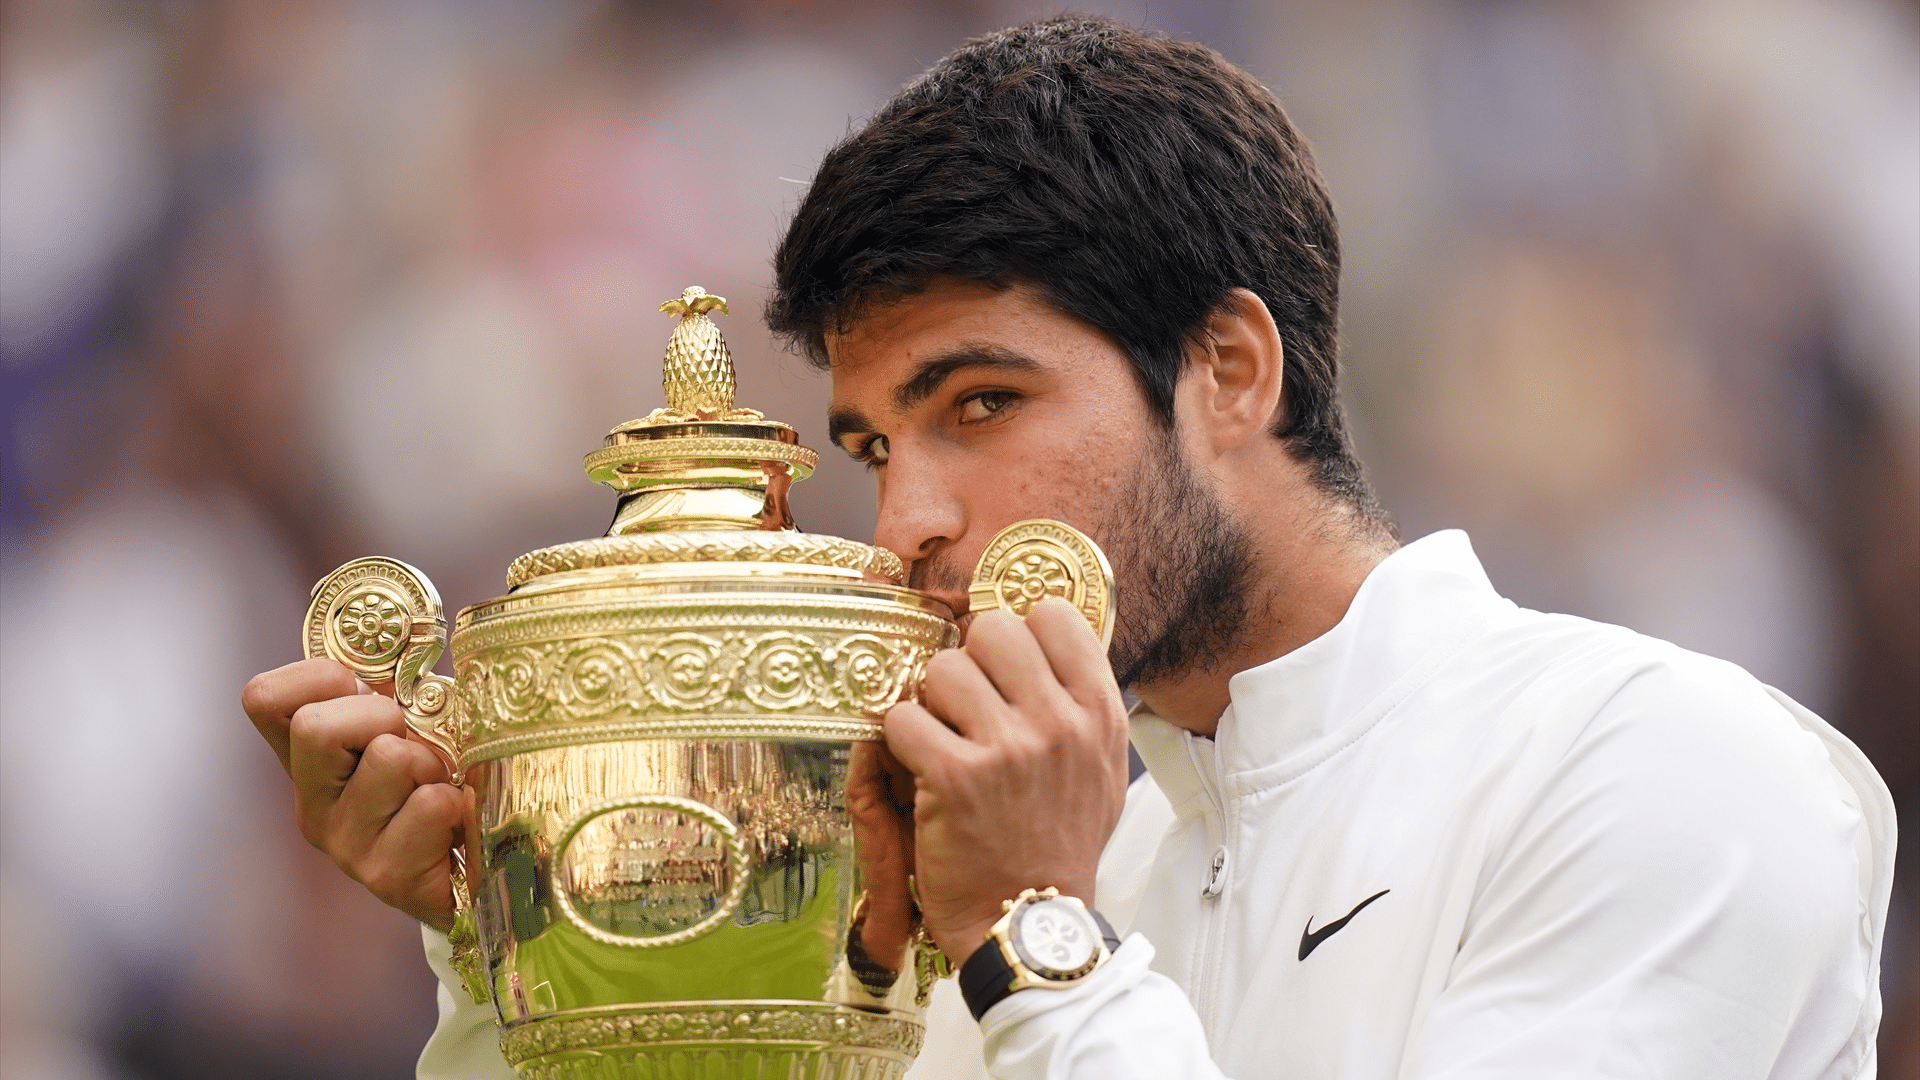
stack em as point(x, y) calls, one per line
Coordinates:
point(442, 801)
point(1020, 753)
point(257, 697)
point(383, 881)
point(386, 754)
point(312, 828)
point(309, 723)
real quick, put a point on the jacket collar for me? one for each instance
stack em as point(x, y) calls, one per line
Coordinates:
point(1418, 608)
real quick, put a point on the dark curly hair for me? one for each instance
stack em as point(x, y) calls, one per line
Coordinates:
point(1131, 179)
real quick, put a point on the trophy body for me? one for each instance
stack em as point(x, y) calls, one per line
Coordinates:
point(661, 769)
point(688, 854)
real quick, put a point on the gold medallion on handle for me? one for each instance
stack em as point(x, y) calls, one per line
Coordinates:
point(1037, 558)
point(383, 620)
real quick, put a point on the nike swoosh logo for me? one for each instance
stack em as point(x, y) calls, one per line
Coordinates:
point(1310, 938)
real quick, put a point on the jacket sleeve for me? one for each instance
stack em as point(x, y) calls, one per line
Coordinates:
point(1693, 889)
point(466, 1042)
point(1123, 1022)
point(1691, 893)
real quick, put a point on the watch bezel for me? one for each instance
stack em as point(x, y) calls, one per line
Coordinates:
point(1067, 905)
point(997, 969)
point(1025, 975)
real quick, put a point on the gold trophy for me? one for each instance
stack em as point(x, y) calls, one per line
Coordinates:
point(687, 855)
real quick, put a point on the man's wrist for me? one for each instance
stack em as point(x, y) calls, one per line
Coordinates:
point(960, 942)
point(1042, 939)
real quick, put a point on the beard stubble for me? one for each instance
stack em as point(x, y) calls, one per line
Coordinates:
point(1182, 565)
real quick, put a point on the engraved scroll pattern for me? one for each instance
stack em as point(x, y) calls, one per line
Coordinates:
point(864, 1045)
point(685, 674)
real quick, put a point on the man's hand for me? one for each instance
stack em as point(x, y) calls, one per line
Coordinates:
point(1019, 759)
point(365, 790)
point(880, 803)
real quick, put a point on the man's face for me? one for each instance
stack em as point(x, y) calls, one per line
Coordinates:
point(979, 407)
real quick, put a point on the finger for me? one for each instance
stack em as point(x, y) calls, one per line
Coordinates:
point(1001, 644)
point(899, 779)
point(921, 742)
point(327, 739)
point(408, 867)
point(385, 689)
point(272, 697)
point(876, 777)
point(1071, 650)
point(390, 770)
point(958, 692)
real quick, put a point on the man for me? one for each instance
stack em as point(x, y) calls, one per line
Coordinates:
point(1393, 825)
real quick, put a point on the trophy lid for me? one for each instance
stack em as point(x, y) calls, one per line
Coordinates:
point(703, 480)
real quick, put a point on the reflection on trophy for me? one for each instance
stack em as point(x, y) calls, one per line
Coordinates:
point(689, 854)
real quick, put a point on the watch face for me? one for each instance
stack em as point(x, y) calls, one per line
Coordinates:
point(1055, 940)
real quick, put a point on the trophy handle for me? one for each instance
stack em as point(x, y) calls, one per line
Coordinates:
point(1042, 557)
point(383, 620)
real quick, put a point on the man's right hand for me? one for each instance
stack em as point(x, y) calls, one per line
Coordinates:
point(366, 791)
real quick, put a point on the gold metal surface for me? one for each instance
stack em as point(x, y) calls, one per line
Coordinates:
point(687, 857)
point(1032, 559)
point(810, 549)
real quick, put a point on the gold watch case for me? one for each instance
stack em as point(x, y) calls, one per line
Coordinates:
point(1034, 925)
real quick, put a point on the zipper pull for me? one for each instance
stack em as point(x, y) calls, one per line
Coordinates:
point(1217, 876)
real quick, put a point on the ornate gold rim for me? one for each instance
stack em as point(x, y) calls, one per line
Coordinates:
point(787, 608)
point(700, 449)
point(798, 1025)
point(575, 733)
point(714, 546)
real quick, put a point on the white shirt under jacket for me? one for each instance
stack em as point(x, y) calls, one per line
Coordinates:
point(1594, 855)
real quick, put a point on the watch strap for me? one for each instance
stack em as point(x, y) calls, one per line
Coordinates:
point(986, 977)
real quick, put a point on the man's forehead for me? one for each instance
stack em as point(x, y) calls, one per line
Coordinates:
point(916, 321)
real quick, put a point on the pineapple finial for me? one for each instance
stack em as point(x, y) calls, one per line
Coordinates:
point(698, 375)
point(694, 300)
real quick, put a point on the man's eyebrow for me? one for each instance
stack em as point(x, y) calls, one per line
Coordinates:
point(935, 370)
point(846, 421)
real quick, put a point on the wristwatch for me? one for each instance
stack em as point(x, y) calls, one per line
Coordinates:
point(1043, 940)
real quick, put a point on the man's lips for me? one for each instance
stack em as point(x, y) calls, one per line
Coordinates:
point(941, 580)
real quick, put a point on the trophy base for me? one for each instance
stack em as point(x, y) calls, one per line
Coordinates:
point(715, 1040)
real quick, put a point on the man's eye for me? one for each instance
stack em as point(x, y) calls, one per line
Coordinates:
point(983, 406)
point(874, 451)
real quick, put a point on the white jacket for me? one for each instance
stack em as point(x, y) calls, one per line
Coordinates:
point(1566, 850)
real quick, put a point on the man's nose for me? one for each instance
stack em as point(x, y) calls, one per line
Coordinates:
point(920, 509)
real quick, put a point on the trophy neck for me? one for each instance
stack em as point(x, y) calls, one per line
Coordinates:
point(680, 507)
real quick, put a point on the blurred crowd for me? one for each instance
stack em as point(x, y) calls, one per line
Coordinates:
point(1633, 294)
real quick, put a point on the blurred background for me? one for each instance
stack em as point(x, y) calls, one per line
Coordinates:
point(1633, 294)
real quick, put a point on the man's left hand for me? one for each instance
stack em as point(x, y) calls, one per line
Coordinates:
point(1019, 759)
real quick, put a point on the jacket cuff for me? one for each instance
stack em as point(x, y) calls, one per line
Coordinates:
point(1023, 1020)
point(466, 1041)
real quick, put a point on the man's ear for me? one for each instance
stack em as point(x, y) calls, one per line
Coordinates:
point(1232, 387)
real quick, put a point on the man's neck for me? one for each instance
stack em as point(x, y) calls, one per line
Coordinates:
point(1311, 560)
